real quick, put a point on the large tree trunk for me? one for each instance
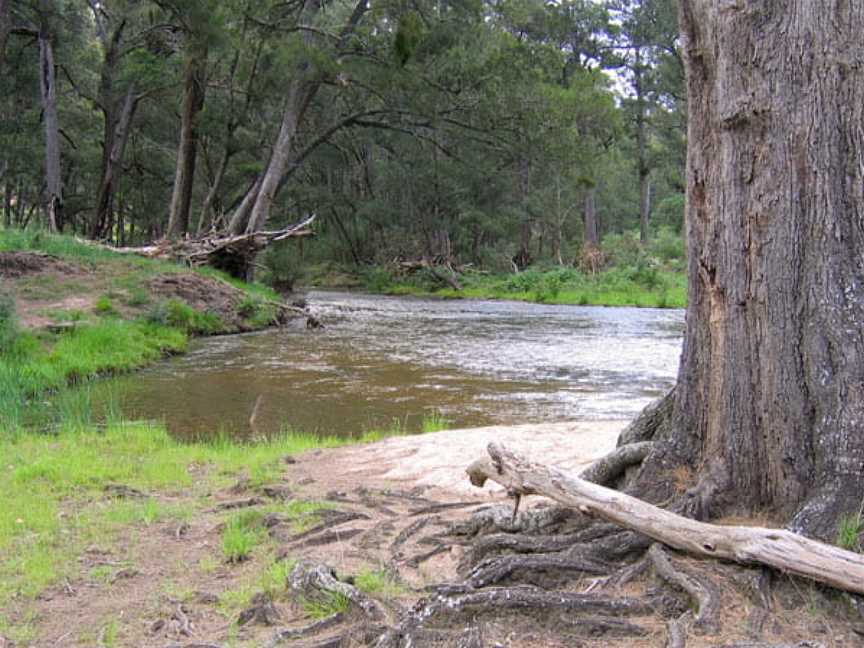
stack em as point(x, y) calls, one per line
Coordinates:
point(770, 396)
point(48, 91)
point(184, 176)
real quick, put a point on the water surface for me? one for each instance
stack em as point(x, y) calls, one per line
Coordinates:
point(382, 360)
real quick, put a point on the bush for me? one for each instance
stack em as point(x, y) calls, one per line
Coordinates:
point(377, 279)
point(667, 245)
point(283, 270)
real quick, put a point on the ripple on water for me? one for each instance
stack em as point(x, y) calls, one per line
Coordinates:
point(381, 359)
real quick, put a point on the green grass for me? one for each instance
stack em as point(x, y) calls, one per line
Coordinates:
point(433, 422)
point(242, 533)
point(326, 605)
point(55, 502)
point(849, 530)
point(378, 582)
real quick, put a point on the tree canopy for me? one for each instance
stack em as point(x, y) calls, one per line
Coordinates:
point(479, 130)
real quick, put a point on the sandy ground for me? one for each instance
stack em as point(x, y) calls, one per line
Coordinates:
point(437, 461)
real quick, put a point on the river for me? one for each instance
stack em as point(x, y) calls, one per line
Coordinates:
point(384, 361)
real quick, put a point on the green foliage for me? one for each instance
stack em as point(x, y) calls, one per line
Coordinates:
point(282, 266)
point(104, 306)
point(377, 279)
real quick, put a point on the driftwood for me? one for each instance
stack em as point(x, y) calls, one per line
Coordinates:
point(434, 267)
point(778, 548)
point(233, 253)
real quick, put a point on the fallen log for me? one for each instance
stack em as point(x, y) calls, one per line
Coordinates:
point(233, 253)
point(778, 548)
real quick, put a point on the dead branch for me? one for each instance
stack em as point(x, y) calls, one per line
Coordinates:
point(230, 252)
point(776, 548)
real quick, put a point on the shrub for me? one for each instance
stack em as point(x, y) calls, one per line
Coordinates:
point(104, 306)
point(377, 279)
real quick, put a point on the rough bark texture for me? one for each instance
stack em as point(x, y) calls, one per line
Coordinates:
point(770, 396)
point(184, 176)
point(778, 548)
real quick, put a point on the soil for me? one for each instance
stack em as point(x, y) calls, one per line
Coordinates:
point(395, 505)
point(48, 290)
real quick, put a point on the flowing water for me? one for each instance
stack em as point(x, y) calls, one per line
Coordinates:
point(385, 361)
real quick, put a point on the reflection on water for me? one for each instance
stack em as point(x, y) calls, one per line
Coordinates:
point(381, 359)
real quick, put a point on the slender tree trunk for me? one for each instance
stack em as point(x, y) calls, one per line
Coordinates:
point(591, 238)
point(184, 176)
point(207, 216)
point(113, 165)
point(48, 91)
point(526, 228)
point(770, 395)
point(642, 148)
point(300, 94)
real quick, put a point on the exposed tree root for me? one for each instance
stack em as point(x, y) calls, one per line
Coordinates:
point(536, 569)
point(329, 537)
point(676, 631)
point(500, 519)
point(316, 580)
point(581, 626)
point(609, 469)
point(493, 600)
point(290, 634)
point(703, 592)
point(261, 611)
point(773, 547)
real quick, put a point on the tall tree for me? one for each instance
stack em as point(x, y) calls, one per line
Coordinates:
point(195, 18)
point(769, 405)
point(47, 35)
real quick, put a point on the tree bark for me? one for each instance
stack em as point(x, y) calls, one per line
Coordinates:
point(778, 548)
point(770, 396)
point(300, 93)
point(48, 91)
point(184, 176)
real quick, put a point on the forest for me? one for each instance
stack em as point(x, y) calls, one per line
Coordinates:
point(491, 134)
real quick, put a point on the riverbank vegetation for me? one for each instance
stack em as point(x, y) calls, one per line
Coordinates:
point(629, 275)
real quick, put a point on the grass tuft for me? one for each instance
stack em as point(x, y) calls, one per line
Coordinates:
point(241, 535)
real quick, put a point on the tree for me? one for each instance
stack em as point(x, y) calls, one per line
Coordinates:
point(768, 405)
